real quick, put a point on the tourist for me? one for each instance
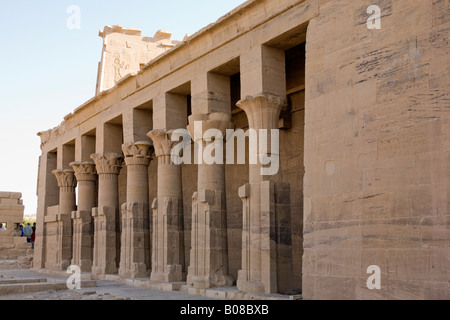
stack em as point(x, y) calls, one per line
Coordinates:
point(27, 232)
point(33, 235)
point(21, 230)
point(1, 226)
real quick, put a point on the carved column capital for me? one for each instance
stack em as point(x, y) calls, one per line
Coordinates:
point(108, 162)
point(66, 178)
point(262, 110)
point(138, 153)
point(162, 141)
point(84, 171)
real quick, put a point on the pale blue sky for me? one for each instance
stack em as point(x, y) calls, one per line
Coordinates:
point(48, 70)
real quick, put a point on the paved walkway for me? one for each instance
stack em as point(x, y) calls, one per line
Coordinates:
point(105, 290)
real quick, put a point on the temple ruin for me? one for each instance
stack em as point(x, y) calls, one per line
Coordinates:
point(15, 251)
point(356, 117)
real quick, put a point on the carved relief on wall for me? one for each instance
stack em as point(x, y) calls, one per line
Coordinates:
point(119, 68)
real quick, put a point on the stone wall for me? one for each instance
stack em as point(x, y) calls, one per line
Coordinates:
point(11, 214)
point(377, 151)
point(364, 152)
point(125, 51)
point(15, 252)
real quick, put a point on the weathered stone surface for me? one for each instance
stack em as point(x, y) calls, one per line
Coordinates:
point(125, 52)
point(364, 153)
point(168, 261)
point(135, 236)
point(14, 250)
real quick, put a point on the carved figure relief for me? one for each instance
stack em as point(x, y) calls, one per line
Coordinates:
point(119, 67)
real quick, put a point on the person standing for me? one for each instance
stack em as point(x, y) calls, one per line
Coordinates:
point(33, 235)
point(27, 232)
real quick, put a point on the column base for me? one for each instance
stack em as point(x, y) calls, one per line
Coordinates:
point(267, 248)
point(97, 271)
point(62, 266)
point(249, 286)
point(85, 265)
point(173, 273)
point(218, 279)
point(52, 266)
point(135, 233)
point(105, 251)
point(101, 271)
point(65, 264)
point(137, 270)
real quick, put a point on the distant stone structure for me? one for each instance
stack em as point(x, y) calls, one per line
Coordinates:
point(125, 51)
point(361, 115)
point(11, 213)
point(15, 252)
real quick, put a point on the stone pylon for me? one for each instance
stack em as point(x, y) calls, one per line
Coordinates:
point(67, 184)
point(266, 234)
point(168, 264)
point(135, 239)
point(106, 214)
point(83, 223)
point(209, 257)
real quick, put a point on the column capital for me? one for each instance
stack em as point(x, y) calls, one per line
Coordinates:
point(108, 162)
point(66, 178)
point(262, 110)
point(137, 153)
point(217, 120)
point(162, 141)
point(84, 171)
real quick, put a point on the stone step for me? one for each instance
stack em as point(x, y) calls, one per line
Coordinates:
point(4, 246)
point(16, 288)
point(25, 260)
point(21, 252)
point(20, 240)
point(23, 246)
point(13, 254)
point(7, 263)
point(14, 281)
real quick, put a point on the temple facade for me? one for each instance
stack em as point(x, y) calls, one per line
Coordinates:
point(287, 148)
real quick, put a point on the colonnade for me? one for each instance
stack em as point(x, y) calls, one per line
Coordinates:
point(144, 237)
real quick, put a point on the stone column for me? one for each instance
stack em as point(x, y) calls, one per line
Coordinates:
point(266, 234)
point(168, 237)
point(135, 241)
point(48, 196)
point(209, 258)
point(106, 214)
point(83, 224)
point(67, 184)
